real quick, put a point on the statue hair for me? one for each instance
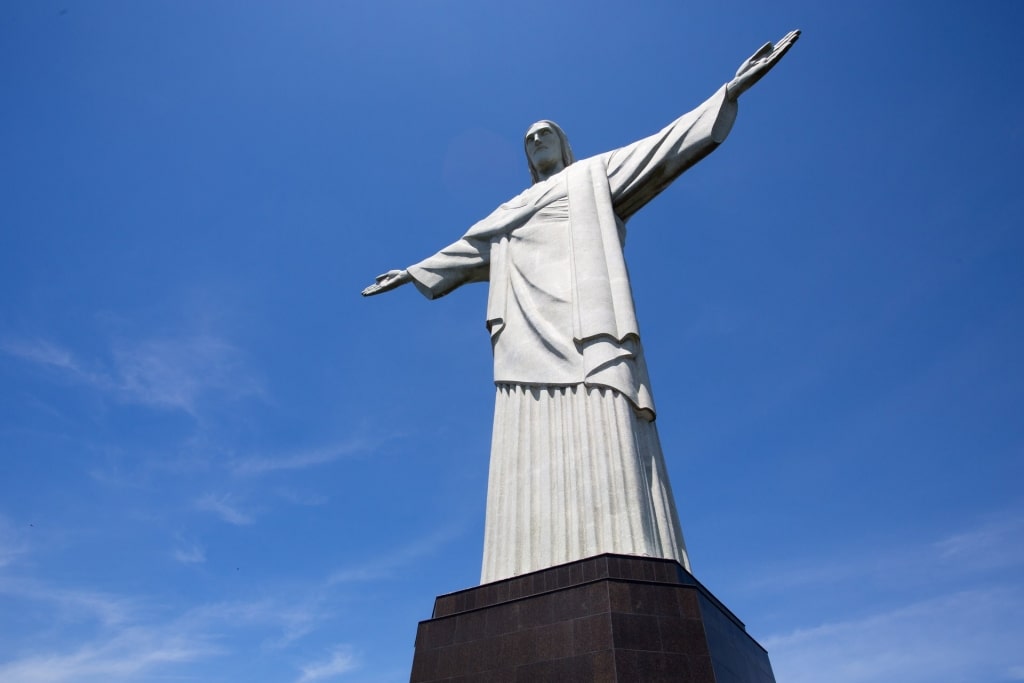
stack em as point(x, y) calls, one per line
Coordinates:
point(567, 156)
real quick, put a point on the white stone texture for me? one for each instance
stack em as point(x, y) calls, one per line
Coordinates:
point(574, 394)
point(575, 472)
point(576, 466)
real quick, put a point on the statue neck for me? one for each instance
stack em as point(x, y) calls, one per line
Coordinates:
point(545, 173)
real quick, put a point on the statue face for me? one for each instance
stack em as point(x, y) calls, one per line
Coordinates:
point(544, 148)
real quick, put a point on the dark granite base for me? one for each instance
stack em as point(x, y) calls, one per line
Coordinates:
point(610, 618)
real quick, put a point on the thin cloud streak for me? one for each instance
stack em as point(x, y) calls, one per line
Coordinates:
point(963, 625)
point(384, 566)
point(993, 544)
point(300, 498)
point(12, 543)
point(999, 543)
point(175, 373)
point(298, 461)
point(972, 635)
point(105, 608)
point(172, 373)
point(122, 658)
point(121, 647)
point(340, 662)
point(295, 616)
point(223, 507)
point(41, 352)
point(194, 554)
point(133, 639)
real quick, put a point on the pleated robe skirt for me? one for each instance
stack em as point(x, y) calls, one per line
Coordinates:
point(574, 473)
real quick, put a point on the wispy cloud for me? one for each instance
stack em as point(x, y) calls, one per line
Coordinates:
point(12, 542)
point(223, 506)
point(996, 543)
point(300, 460)
point(293, 614)
point(123, 657)
point(304, 499)
point(341, 661)
point(973, 635)
point(172, 373)
point(386, 564)
point(57, 359)
point(71, 604)
point(93, 636)
point(991, 544)
point(190, 554)
point(40, 351)
point(931, 611)
point(125, 640)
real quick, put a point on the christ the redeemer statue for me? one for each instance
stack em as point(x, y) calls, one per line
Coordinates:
point(576, 466)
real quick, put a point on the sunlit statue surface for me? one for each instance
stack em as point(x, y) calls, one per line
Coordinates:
point(576, 466)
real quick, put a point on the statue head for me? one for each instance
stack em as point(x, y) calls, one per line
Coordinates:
point(547, 149)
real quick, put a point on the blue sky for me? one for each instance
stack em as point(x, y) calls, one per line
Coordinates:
point(219, 463)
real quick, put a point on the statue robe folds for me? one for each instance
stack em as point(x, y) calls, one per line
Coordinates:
point(576, 467)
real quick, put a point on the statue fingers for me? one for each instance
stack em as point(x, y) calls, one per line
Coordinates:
point(787, 41)
point(782, 47)
point(755, 59)
point(762, 52)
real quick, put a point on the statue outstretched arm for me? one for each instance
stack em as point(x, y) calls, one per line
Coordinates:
point(388, 281)
point(640, 171)
point(466, 260)
point(760, 63)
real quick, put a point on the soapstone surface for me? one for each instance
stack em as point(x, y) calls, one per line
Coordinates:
point(576, 465)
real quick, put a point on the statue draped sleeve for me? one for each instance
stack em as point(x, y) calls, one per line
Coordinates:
point(637, 173)
point(470, 258)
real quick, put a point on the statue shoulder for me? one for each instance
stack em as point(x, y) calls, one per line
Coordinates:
point(519, 201)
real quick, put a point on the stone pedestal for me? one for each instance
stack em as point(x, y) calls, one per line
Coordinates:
point(605, 619)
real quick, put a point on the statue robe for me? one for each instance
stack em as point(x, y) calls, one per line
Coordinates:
point(576, 466)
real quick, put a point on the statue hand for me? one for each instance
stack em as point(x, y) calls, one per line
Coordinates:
point(387, 282)
point(760, 63)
